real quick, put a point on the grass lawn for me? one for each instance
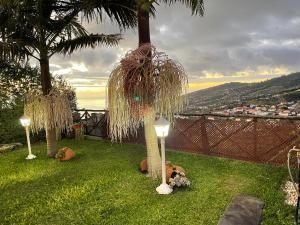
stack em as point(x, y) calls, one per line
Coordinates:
point(102, 185)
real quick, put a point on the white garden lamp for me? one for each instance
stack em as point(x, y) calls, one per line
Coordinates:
point(25, 121)
point(162, 129)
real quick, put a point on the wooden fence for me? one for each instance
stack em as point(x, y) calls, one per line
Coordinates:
point(94, 121)
point(252, 139)
point(256, 139)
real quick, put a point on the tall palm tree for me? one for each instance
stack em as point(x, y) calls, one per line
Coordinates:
point(144, 8)
point(41, 28)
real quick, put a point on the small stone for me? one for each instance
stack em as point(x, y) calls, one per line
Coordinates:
point(291, 193)
point(8, 147)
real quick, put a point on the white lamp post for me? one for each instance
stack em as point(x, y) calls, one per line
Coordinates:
point(162, 129)
point(25, 121)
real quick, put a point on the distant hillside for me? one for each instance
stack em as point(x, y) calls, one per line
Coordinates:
point(284, 88)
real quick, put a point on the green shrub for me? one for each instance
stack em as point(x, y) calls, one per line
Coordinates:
point(11, 130)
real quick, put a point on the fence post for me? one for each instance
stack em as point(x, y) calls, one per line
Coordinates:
point(255, 139)
point(205, 142)
point(106, 125)
point(86, 122)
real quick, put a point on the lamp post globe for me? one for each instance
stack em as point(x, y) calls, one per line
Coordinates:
point(162, 127)
point(25, 122)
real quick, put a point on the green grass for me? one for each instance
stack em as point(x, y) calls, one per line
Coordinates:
point(102, 185)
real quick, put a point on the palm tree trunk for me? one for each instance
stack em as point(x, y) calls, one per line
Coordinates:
point(143, 26)
point(51, 142)
point(46, 87)
point(153, 156)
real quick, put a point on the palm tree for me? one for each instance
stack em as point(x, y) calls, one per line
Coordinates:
point(41, 28)
point(144, 8)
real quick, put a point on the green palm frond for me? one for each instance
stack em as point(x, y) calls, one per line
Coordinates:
point(123, 12)
point(65, 29)
point(197, 6)
point(92, 40)
point(45, 27)
point(13, 51)
point(74, 28)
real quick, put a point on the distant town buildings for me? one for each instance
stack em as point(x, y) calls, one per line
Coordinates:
point(283, 109)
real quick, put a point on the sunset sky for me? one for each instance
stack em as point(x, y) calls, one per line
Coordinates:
point(236, 40)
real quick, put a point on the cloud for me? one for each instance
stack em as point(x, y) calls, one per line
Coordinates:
point(209, 74)
point(236, 40)
point(79, 67)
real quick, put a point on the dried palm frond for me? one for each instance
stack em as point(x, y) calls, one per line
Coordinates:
point(49, 111)
point(144, 79)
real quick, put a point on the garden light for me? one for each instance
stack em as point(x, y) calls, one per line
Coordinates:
point(162, 129)
point(25, 121)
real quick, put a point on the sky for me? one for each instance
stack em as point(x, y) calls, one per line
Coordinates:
point(236, 40)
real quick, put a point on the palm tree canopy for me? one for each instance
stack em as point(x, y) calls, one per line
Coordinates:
point(34, 27)
point(197, 6)
point(121, 12)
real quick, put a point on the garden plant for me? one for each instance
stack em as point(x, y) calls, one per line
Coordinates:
point(146, 82)
point(39, 29)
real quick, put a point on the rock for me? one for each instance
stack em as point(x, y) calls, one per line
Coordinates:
point(17, 144)
point(9, 147)
point(243, 209)
point(179, 168)
point(170, 169)
point(291, 193)
point(144, 165)
point(67, 155)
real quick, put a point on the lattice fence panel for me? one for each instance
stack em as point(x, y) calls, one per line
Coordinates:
point(280, 139)
point(214, 135)
point(257, 139)
point(230, 144)
point(243, 139)
point(267, 140)
point(184, 136)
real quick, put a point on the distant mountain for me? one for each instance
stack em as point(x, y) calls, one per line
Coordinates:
point(284, 88)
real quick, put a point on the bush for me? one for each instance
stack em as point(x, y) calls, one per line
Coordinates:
point(16, 81)
point(11, 130)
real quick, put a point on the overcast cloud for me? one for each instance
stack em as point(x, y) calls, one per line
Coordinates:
point(236, 40)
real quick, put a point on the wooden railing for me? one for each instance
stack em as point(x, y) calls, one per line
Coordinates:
point(257, 139)
point(94, 121)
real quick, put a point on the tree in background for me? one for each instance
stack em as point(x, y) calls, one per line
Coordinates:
point(17, 81)
point(146, 82)
point(41, 28)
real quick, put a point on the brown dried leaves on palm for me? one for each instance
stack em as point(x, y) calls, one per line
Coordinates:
point(145, 79)
point(49, 111)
